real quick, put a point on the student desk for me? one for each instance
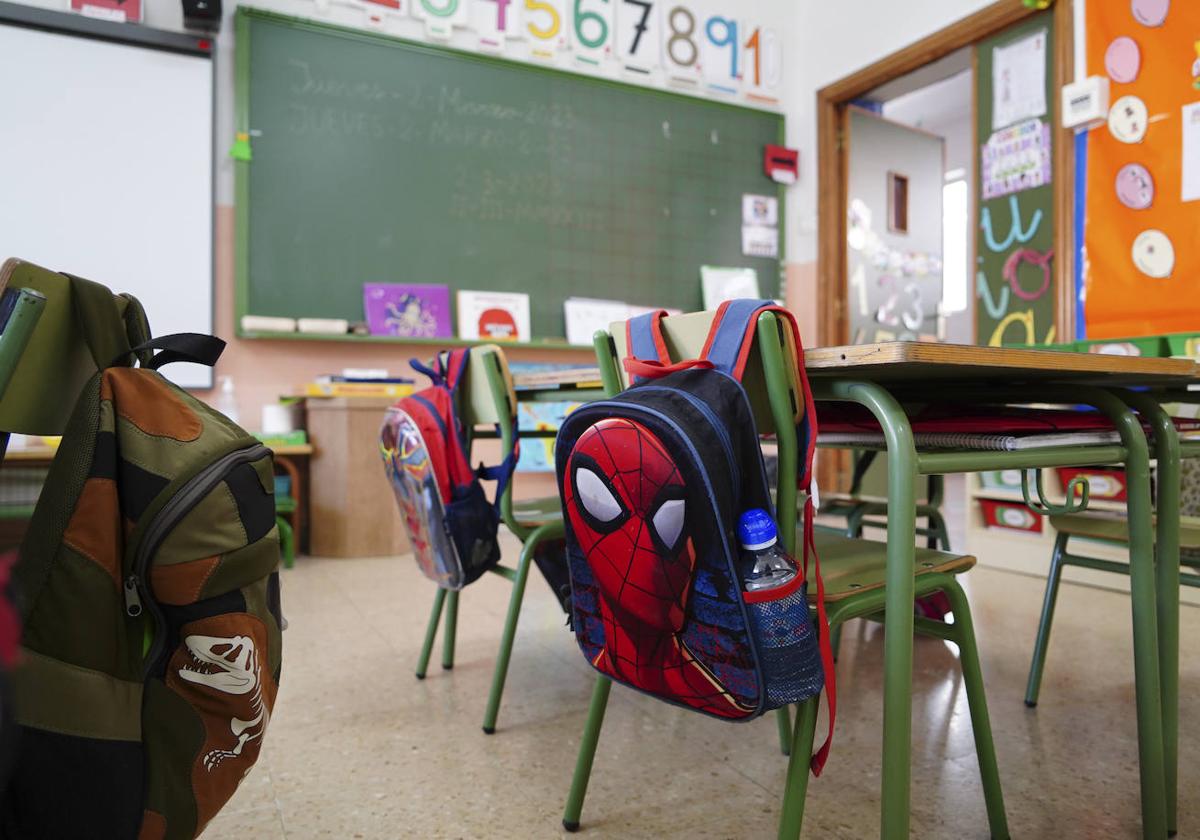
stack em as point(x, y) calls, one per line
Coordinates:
point(287, 458)
point(881, 376)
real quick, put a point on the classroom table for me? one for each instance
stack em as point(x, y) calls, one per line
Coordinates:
point(882, 377)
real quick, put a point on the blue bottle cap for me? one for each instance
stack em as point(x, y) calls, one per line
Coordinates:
point(756, 529)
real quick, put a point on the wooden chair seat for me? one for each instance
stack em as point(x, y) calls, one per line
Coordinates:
point(852, 566)
point(1113, 527)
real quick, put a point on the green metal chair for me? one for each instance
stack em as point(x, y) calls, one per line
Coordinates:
point(489, 400)
point(867, 498)
point(854, 572)
point(1098, 528)
point(39, 393)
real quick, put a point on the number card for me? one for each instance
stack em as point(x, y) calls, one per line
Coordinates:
point(762, 64)
point(719, 54)
point(638, 35)
point(375, 12)
point(681, 32)
point(440, 16)
point(546, 24)
point(495, 21)
point(593, 30)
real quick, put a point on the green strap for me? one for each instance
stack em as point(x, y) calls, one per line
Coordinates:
point(101, 322)
point(137, 328)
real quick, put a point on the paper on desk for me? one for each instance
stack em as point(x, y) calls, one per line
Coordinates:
point(1019, 80)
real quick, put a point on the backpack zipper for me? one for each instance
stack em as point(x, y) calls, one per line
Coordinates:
point(137, 593)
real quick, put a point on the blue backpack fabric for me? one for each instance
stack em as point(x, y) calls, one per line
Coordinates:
point(653, 481)
point(450, 522)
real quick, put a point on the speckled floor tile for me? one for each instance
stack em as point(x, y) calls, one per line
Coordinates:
point(358, 748)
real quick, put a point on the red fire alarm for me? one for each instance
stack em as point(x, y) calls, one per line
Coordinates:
point(781, 164)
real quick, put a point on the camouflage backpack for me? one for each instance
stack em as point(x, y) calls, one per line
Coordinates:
point(149, 595)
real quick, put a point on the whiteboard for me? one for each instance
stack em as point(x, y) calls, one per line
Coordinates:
point(106, 172)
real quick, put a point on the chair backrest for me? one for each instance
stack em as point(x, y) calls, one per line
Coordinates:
point(769, 378)
point(56, 362)
point(488, 398)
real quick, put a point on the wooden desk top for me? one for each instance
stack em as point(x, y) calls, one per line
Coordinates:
point(918, 361)
point(299, 449)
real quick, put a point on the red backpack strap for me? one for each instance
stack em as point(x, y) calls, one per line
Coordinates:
point(728, 348)
point(644, 342)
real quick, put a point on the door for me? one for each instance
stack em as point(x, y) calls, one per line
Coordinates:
point(893, 229)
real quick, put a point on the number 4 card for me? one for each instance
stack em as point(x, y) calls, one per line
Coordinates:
point(495, 21)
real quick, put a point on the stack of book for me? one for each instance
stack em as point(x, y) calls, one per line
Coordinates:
point(359, 383)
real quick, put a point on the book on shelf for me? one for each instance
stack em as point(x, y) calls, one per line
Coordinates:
point(297, 437)
point(394, 390)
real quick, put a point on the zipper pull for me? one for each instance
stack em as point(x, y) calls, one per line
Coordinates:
point(133, 598)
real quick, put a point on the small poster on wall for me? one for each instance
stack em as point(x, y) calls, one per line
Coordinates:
point(493, 316)
point(1016, 158)
point(1019, 80)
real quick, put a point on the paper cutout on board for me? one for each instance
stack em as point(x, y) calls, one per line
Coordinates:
point(719, 284)
point(1123, 60)
point(1016, 158)
point(1191, 152)
point(1153, 254)
point(1127, 119)
point(995, 308)
point(1150, 12)
point(1015, 232)
point(1019, 80)
point(1033, 257)
point(1135, 186)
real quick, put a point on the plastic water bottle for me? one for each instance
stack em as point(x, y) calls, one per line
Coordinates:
point(765, 565)
point(227, 399)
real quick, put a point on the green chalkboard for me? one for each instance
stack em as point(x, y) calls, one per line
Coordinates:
point(380, 160)
point(1014, 283)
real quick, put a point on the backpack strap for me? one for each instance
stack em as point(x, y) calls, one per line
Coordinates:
point(644, 342)
point(728, 348)
point(196, 348)
point(100, 320)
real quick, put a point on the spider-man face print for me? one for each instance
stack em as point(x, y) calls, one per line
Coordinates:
point(627, 504)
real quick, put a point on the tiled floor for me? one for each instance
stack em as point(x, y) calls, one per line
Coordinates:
point(358, 748)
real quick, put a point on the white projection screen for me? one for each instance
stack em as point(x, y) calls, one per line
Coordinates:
point(106, 171)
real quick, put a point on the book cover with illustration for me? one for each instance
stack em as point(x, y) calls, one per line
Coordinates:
point(408, 310)
point(493, 316)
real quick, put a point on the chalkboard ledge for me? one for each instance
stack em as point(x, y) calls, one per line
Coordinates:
point(536, 344)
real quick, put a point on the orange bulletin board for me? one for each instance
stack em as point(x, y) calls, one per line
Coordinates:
point(1141, 256)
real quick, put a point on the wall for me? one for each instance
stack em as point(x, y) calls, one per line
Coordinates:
point(262, 370)
point(828, 41)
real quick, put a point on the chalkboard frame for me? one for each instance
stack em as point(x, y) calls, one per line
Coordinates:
point(242, 22)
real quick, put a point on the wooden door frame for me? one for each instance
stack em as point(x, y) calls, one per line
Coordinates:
point(832, 101)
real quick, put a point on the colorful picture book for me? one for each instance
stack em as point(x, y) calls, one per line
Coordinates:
point(408, 310)
point(493, 316)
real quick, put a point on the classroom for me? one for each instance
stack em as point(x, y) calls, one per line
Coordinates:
point(384, 381)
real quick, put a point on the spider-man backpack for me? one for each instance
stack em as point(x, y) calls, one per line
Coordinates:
point(450, 523)
point(653, 481)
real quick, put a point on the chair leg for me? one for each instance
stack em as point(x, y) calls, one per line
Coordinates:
point(795, 788)
point(587, 753)
point(1034, 686)
point(942, 537)
point(435, 616)
point(500, 674)
point(287, 542)
point(783, 718)
point(835, 640)
point(448, 638)
point(981, 726)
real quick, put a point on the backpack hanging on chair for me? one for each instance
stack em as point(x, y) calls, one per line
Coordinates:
point(653, 481)
point(450, 522)
point(148, 589)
